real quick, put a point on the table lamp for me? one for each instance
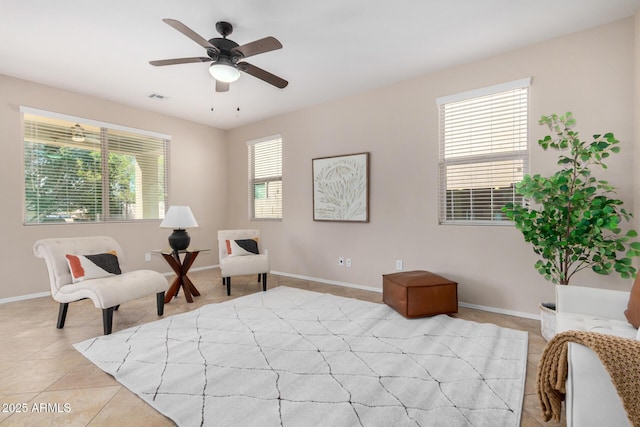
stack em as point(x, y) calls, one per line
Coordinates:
point(179, 218)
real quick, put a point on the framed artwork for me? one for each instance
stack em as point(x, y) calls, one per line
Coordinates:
point(341, 188)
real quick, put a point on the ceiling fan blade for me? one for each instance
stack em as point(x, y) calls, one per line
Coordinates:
point(160, 62)
point(262, 75)
point(222, 86)
point(190, 33)
point(266, 44)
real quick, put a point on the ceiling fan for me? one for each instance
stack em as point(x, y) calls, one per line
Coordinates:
point(227, 56)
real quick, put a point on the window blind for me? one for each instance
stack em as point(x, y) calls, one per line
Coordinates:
point(265, 178)
point(83, 171)
point(483, 153)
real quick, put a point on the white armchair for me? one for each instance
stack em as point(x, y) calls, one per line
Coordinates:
point(591, 398)
point(241, 254)
point(107, 292)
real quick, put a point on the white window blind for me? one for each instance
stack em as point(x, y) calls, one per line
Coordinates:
point(483, 152)
point(265, 179)
point(79, 170)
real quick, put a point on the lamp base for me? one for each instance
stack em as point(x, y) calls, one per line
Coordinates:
point(179, 240)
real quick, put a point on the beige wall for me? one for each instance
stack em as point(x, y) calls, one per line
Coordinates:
point(636, 108)
point(197, 178)
point(589, 73)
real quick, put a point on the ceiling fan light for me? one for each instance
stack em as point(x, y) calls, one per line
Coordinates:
point(77, 133)
point(223, 72)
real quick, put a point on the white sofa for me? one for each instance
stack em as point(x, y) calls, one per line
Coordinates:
point(591, 399)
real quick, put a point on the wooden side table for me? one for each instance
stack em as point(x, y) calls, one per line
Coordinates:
point(181, 268)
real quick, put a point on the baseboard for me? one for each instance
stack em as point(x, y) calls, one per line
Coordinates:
point(208, 267)
point(313, 279)
point(48, 294)
point(25, 297)
point(500, 311)
point(327, 282)
point(367, 288)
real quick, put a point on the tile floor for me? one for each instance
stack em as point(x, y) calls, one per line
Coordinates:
point(41, 372)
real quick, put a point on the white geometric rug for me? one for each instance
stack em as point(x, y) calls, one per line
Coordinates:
point(290, 357)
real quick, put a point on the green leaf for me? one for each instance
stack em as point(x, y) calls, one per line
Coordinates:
point(569, 217)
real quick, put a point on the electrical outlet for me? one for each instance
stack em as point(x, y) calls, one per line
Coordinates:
point(399, 264)
point(340, 261)
point(348, 262)
point(147, 257)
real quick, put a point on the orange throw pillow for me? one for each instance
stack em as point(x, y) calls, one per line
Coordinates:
point(632, 313)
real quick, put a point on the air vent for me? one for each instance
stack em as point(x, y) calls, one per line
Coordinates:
point(158, 96)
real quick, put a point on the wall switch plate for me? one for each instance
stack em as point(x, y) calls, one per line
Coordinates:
point(399, 264)
point(348, 262)
point(340, 261)
point(147, 257)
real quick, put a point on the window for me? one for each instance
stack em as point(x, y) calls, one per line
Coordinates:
point(265, 178)
point(483, 152)
point(78, 170)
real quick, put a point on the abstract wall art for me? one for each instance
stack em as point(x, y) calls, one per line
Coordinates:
point(341, 188)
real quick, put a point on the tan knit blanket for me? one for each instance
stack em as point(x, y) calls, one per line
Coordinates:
point(620, 356)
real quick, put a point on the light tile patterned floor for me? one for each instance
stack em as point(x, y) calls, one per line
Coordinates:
point(42, 374)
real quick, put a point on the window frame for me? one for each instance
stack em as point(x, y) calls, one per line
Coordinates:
point(487, 163)
point(266, 180)
point(109, 133)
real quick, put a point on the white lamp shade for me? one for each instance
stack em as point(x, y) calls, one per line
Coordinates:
point(179, 217)
point(225, 73)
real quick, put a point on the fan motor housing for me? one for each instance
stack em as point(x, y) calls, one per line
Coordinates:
point(225, 46)
point(224, 28)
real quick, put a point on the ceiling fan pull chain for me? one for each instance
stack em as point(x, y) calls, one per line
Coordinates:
point(238, 101)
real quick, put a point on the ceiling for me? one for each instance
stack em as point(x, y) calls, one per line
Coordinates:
point(332, 48)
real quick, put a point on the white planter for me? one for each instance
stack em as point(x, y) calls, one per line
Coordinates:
point(547, 322)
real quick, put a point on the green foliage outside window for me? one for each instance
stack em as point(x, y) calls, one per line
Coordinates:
point(68, 180)
point(63, 183)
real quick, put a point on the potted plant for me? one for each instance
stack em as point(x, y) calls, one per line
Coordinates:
point(572, 219)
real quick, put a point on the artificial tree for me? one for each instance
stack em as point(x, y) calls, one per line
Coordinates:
point(571, 218)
